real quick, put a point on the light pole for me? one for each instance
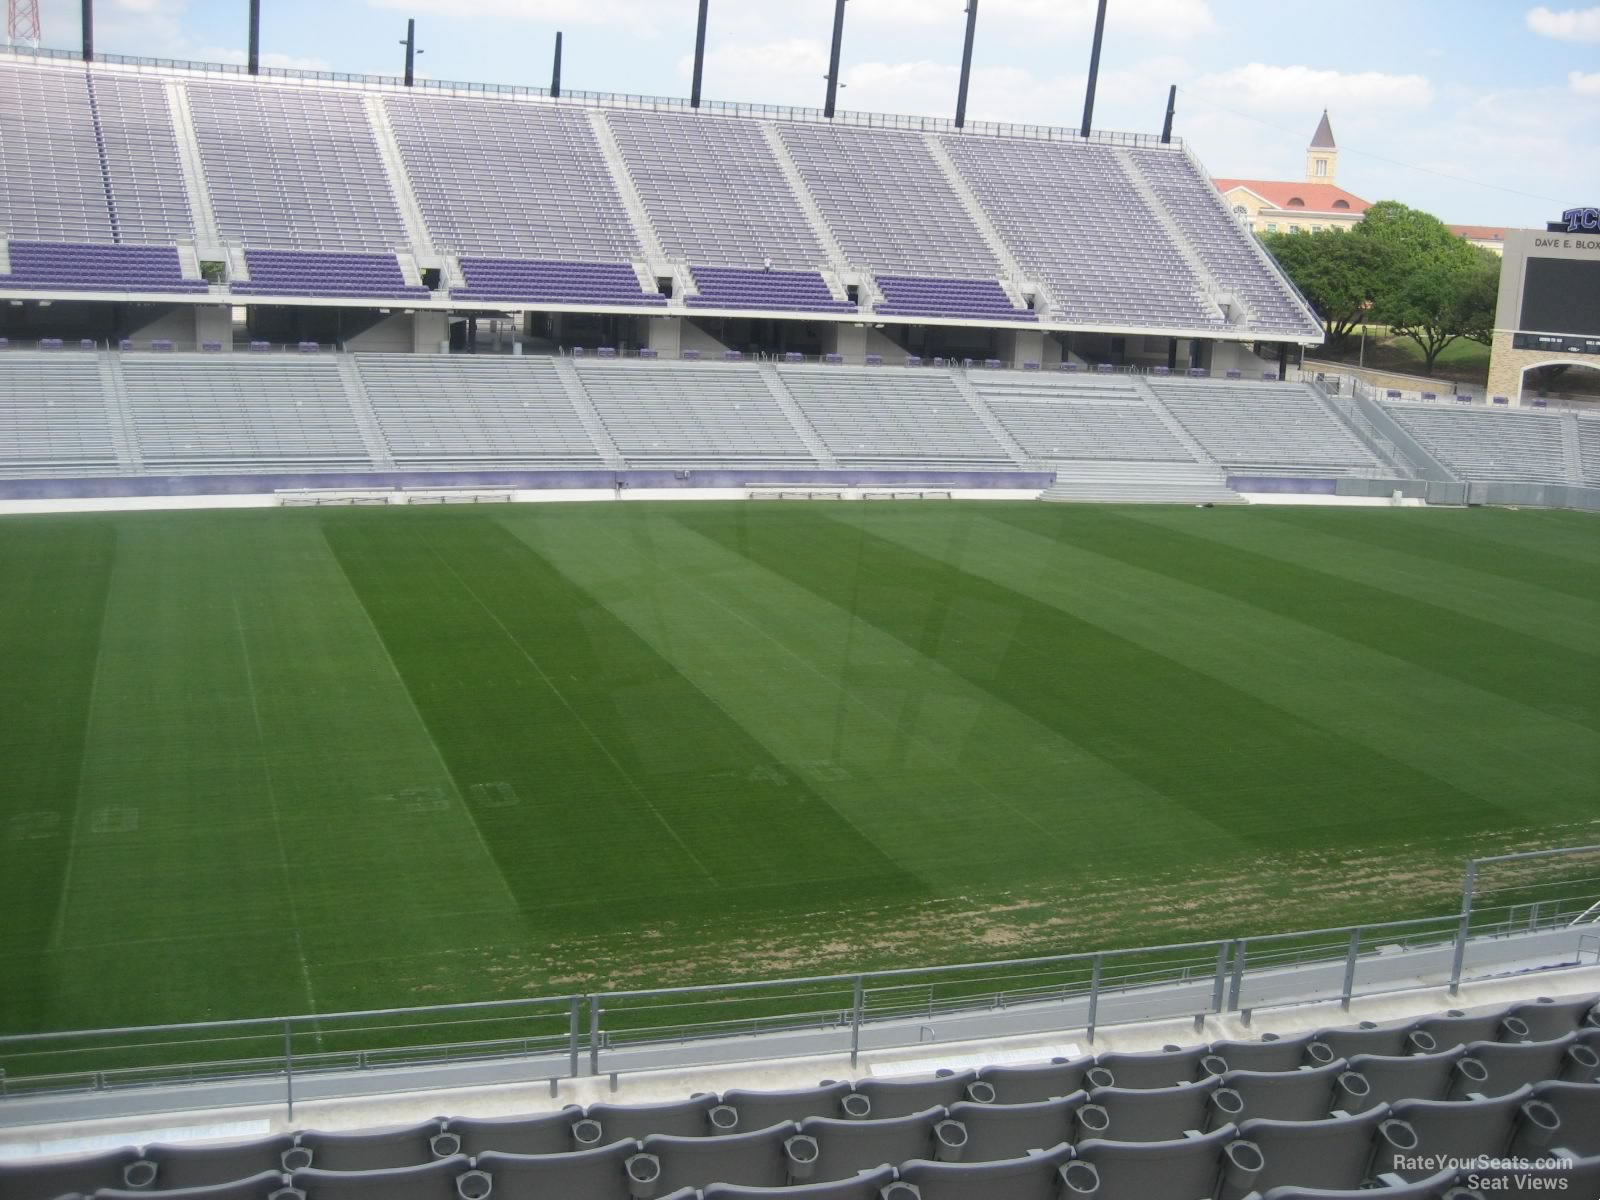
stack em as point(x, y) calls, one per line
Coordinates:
point(1366, 307)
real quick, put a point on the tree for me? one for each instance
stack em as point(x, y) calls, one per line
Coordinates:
point(1436, 287)
point(1338, 274)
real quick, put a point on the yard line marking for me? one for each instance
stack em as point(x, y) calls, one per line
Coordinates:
point(58, 930)
point(277, 825)
point(411, 703)
point(578, 717)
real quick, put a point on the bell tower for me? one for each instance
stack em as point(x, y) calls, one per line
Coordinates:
point(1322, 156)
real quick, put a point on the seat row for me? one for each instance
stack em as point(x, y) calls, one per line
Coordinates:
point(932, 1156)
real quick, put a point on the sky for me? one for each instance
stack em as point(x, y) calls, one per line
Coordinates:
point(1482, 112)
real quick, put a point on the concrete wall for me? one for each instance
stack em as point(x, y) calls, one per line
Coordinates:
point(1508, 368)
point(664, 335)
point(394, 334)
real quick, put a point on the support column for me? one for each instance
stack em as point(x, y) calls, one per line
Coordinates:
point(1283, 361)
point(1027, 346)
point(213, 323)
point(430, 334)
point(665, 336)
point(1172, 354)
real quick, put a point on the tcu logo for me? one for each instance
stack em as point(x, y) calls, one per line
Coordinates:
point(1582, 220)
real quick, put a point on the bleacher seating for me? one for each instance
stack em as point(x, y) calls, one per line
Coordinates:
point(456, 413)
point(297, 273)
point(1168, 1136)
point(143, 180)
point(53, 417)
point(1223, 244)
point(293, 169)
point(1589, 447)
point(782, 291)
point(887, 202)
point(1096, 245)
point(553, 282)
point(906, 296)
point(688, 415)
point(511, 180)
point(65, 266)
point(1264, 427)
point(208, 414)
point(714, 192)
point(1486, 444)
point(1057, 419)
point(872, 418)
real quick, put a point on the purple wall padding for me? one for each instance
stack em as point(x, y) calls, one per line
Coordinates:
point(246, 485)
point(1283, 483)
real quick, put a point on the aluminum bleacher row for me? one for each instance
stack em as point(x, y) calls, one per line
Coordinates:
point(1320, 1114)
point(92, 156)
point(72, 414)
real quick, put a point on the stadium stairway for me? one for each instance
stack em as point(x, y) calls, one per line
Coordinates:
point(1140, 483)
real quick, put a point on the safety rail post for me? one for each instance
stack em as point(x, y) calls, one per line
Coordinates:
point(855, 1019)
point(1459, 957)
point(288, 1066)
point(1221, 978)
point(1350, 968)
point(1236, 986)
point(1094, 994)
point(594, 1035)
point(575, 1003)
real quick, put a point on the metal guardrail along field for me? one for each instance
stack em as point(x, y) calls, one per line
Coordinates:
point(573, 1035)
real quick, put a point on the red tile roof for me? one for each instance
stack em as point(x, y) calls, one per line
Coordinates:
point(1481, 233)
point(1313, 197)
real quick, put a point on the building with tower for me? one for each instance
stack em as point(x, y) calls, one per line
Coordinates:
point(1298, 206)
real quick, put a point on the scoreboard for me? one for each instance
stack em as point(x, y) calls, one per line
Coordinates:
point(1550, 290)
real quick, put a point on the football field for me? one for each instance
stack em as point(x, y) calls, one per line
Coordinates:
point(283, 761)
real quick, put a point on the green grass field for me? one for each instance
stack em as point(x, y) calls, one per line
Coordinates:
point(285, 761)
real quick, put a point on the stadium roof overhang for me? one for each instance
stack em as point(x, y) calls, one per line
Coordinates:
point(220, 296)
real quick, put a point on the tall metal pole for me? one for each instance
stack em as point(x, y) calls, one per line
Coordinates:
point(1469, 885)
point(88, 30)
point(555, 72)
point(833, 58)
point(254, 65)
point(699, 56)
point(966, 63)
point(1172, 108)
point(411, 50)
point(1094, 69)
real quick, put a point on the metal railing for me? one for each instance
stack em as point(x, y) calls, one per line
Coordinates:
point(504, 91)
point(606, 1032)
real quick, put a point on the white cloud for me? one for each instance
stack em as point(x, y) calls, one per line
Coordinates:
point(1259, 85)
point(641, 18)
point(1585, 84)
point(288, 62)
point(1567, 25)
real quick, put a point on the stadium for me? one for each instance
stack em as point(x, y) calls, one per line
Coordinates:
point(538, 625)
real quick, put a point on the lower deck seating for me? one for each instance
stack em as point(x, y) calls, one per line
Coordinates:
point(53, 417)
point(1177, 1124)
point(873, 418)
point(1483, 444)
point(1264, 427)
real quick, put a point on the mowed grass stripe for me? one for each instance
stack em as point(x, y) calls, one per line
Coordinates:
point(1212, 747)
point(529, 685)
point(945, 781)
point(1559, 681)
point(56, 576)
point(1480, 762)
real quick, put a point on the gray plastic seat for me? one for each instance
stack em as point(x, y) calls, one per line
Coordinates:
point(1370, 1038)
point(45, 1180)
point(755, 1158)
point(1578, 1107)
point(432, 1181)
point(1580, 1177)
point(1151, 1114)
point(1512, 1064)
point(1457, 1028)
point(865, 1186)
point(1029, 1082)
point(902, 1097)
point(371, 1149)
point(1548, 1018)
point(1269, 1054)
point(191, 1165)
point(1332, 1153)
point(1182, 1168)
point(1434, 1187)
point(758, 1110)
point(1028, 1177)
point(1149, 1069)
point(844, 1147)
point(1413, 1077)
point(1459, 1129)
point(1309, 1094)
point(544, 1133)
point(999, 1131)
point(679, 1118)
point(599, 1174)
point(268, 1185)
